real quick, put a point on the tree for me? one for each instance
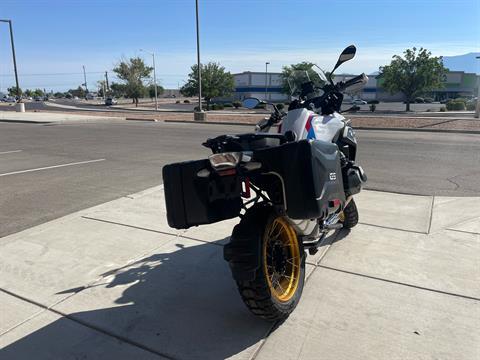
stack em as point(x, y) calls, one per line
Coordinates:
point(38, 92)
point(133, 72)
point(102, 84)
point(413, 74)
point(295, 75)
point(215, 82)
point(28, 93)
point(117, 90)
point(12, 91)
point(151, 90)
point(79, 92)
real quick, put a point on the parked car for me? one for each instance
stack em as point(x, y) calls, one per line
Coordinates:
point(419, 100)
point(428, 100)
point(359, 102)
point(110, 101)
point(38, 98)
point(10, 99)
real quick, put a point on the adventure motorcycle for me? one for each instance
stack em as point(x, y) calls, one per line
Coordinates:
point(289, 188)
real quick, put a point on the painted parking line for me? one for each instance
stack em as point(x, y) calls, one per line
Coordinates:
point(9, 152)
point(50, 167)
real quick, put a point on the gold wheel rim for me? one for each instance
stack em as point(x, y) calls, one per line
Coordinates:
point(281, 259)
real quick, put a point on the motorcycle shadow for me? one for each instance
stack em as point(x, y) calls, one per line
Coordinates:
point(181, 304)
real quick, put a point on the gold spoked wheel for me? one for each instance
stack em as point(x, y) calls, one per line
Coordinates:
point(281, 259)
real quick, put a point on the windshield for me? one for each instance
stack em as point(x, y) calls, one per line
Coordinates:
point(300, 77)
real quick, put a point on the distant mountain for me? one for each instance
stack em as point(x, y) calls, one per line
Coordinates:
point(466, 62)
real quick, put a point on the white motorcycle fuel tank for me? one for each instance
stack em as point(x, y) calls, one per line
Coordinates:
point(307, 124)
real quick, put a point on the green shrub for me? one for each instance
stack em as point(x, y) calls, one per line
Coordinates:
point(355, 108)
point(237, 104)
point(177, 102)
point(280, 106)
point(286, 103)
point(373, 102)
point(461, 100)
point(227, 105)
point(471, 105)
point(217, 107)
point(373, 107)
point(186, 101)
point(443, 109)
point(455, 105)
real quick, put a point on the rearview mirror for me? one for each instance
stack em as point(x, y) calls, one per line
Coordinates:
point(347, 54)
point(250, 103)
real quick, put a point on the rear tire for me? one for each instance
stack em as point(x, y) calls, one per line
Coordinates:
point(275, 287)
point(350, 215)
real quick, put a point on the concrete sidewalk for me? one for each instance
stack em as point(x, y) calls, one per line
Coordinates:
point(56, 118)
point(115, 282)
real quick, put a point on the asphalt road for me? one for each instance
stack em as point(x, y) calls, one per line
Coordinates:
point(171, 106)
point(47, 171)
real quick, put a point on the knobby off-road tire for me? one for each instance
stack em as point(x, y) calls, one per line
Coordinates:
point(265, 291)
point(350, 215)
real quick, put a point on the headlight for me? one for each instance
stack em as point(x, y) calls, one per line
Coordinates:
point(225, 160)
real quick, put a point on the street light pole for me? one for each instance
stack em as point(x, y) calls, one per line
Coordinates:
point(477, 108)
point(201, 116)
point(266, 76)
point(85, 79)
point(154, 77)
point(14, 57)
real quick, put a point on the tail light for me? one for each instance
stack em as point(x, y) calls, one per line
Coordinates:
point(224, 161)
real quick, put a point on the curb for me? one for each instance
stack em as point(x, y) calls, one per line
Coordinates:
point(139, 119)
point(25, 121)
point(356, 128)
point(209, 122)
point(419, 130)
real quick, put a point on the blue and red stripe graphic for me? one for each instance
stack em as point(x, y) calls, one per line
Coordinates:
point(309, 128)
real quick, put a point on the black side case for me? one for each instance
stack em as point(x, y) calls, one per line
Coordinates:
point(193, 200)
point(311, 175)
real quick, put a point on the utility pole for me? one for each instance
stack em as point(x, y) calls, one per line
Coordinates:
point(14, 57)
point(200, 115)
point(106, 80)
point(154, 77)
point(477, 108)
point(85, 79)
point(266, 77)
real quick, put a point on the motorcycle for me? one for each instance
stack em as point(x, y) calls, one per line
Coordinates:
point(290, 189)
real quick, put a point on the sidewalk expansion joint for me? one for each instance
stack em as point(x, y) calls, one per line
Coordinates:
point(400, 283)
point(431, 215)
point(152, 230)
point(90, 326)
point(393, 228)
point(464, 231)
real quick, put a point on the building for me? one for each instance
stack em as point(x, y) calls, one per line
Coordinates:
point(259, 85)
point(269, 87)
point(458, 84)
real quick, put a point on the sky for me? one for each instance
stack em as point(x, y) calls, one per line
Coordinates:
point(55, 38)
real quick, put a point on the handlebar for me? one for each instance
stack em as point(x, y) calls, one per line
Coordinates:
point(263, 124)
point(360, 79)
point(274, 118)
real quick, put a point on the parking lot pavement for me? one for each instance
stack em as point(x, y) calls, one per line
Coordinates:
point(114, 281)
